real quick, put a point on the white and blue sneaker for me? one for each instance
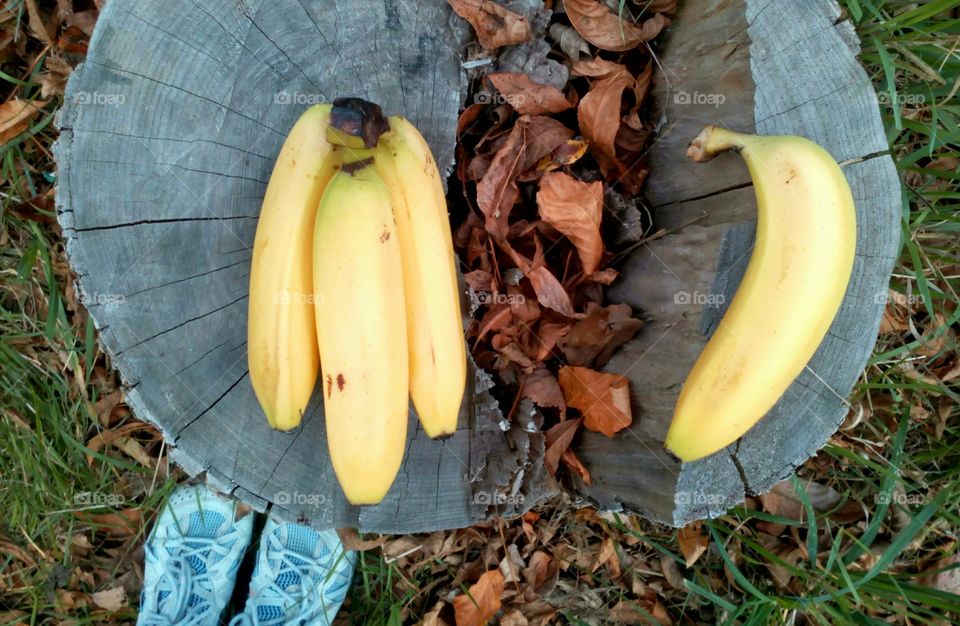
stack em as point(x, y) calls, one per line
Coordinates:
point(301, 577)
point(192, 557)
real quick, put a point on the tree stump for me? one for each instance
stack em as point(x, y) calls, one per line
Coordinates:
point(168, 136)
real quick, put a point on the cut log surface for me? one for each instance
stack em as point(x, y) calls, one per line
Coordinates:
point(773, 67)
point(168, 137)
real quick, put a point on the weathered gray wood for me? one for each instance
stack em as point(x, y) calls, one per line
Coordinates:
point(169, 134)
point(168, 137)
point(801, 77)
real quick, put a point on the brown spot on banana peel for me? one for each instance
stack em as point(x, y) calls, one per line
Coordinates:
point(384, 237)
point(341, 382)
point(329, 385)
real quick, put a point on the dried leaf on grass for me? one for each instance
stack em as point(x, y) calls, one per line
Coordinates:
point(603, 399)
point(604, 29)
point(120, 524)
point(574, 208)
point(693, 542)
point(483, 601)
point(495, 26)
point(351, 540)
point(16, 115)
point(54, 79)
point(542, 572)
point(784, 501)
point(433, 617)
point(528, 97)
point(120, 438)
point(944, 574)
point(110, 599)
point(39, 26)
point(628, 612)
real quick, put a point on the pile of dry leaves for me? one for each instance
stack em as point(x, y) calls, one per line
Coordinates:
point(555, 128)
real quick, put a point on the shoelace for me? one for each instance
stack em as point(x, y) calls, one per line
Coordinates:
point(184, 582)
point(304, 601)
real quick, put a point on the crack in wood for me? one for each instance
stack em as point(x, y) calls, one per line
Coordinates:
point(180, 431)
point(170, 220)
point(180, 325)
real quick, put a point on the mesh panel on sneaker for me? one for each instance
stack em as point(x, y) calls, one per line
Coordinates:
point(301, 539)
point(288, 576)
point(269, 613)
point(206, 524)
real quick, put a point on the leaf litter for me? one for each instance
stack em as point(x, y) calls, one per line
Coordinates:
point(528, 175)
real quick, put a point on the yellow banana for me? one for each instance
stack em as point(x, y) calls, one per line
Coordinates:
point(361, 328)
point(281, 335)
point(438, 365)
point(793, 287)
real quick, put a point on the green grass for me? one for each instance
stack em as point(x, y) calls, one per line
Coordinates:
point(51, 377)
point(860, 572)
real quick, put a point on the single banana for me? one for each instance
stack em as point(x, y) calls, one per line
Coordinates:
point(438, 365)
point(361, 327)
point(281, 335)
point(791, 292)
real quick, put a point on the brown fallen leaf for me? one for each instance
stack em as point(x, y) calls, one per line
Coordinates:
point(574, 208)
point(495, 26)
point(599, 116)
point(593, 340)
point(944, 574)
point(433, 617)
point(573, 463)
point(124, 523)
point(548, 333)
point(783, 500)
point(110, 599)
point(558, 441)
point(351, 540)
point(542, 387)
point(604, 29)
point(15, 116)
point(531, 138)
point(39, 26)
point(54, 79)
point(550, 292)
point(782, 573)
point(671, 571)
point(567, 153)
point(514, 618)
point(603, 399)
point(483, 601)
point(630, 613)
point(117, 437)
point(693, 542)
point(570, 41)
point(541, 573)
point(528, 97)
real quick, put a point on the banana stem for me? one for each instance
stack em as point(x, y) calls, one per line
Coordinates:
point(713, 140)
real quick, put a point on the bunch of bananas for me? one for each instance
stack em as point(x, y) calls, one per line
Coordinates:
point(793, 287)
point(354, 273)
